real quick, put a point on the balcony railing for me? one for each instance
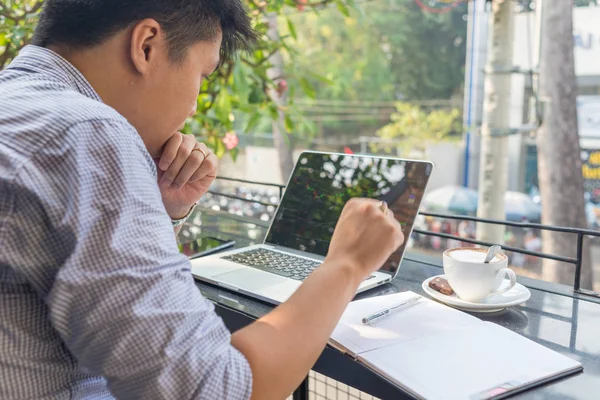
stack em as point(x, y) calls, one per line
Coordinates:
point(576, 261)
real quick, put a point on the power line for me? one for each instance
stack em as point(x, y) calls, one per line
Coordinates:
point(375, 103)
point(352, 117)
point(345, 111)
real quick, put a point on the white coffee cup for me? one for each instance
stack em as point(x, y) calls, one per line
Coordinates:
point(473, 280)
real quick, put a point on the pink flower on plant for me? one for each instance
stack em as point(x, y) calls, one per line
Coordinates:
point(282, 87)
point(230, 140)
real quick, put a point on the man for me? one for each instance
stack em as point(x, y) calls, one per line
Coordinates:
point(95, 300)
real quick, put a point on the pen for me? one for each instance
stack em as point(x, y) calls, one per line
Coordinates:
point(387, 311)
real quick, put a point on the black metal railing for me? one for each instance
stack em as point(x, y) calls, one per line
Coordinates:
point(275, 185)
point(576, 261)
point(279, 187)
point(235, 197)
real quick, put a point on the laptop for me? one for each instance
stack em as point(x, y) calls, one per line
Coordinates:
point(300, 232)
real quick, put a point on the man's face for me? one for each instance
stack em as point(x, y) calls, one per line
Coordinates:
point(172, 91)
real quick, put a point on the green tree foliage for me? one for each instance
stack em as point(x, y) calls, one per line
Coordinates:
point(428, 50)
point(381, 51)
point(412, 127)
point(17, 19)
point(343, 56)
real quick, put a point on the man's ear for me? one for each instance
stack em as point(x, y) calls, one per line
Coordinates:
point(146, 45)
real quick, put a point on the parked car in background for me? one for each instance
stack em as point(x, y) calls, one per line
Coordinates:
point(464, 201)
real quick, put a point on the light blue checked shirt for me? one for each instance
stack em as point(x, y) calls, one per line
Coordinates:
point(95, 300)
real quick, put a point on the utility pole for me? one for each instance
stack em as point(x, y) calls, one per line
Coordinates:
point(284, 149)
point(493, 167)
point(474, 82)
point(559, 152)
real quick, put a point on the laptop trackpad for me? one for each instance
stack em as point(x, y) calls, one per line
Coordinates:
point(250, 279)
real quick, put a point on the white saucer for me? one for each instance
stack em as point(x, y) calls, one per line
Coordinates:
point(498, 302)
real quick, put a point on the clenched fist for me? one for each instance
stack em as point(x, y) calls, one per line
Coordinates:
point(365, 236)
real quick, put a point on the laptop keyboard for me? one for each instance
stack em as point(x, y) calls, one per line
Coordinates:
point(275, 262)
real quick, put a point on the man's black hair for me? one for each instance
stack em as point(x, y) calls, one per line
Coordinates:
point(85, 23)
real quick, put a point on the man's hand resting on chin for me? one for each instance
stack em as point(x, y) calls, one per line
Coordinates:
point(186, 169)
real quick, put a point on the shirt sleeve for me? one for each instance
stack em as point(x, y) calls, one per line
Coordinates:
point(124, 301)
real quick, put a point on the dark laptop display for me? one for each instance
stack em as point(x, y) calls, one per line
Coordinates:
point(322, 184)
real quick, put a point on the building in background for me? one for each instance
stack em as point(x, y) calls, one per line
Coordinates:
point(523, 153)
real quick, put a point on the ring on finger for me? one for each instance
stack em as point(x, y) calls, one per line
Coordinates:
point(198, 148)
point(383, 206)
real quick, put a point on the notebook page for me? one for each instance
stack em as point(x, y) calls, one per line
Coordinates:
point(426, 317)
point(472, 362)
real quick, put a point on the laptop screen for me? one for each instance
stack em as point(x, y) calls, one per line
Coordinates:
point(320, 186)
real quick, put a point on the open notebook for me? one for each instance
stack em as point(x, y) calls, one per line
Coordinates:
point(436, 352)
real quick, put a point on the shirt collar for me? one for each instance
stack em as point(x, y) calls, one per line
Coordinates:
point(43, 60)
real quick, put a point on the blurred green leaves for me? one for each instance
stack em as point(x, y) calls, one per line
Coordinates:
point(17, 19)
point(413, 127)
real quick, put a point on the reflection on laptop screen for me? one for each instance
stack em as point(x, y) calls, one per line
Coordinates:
point(322, 184)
